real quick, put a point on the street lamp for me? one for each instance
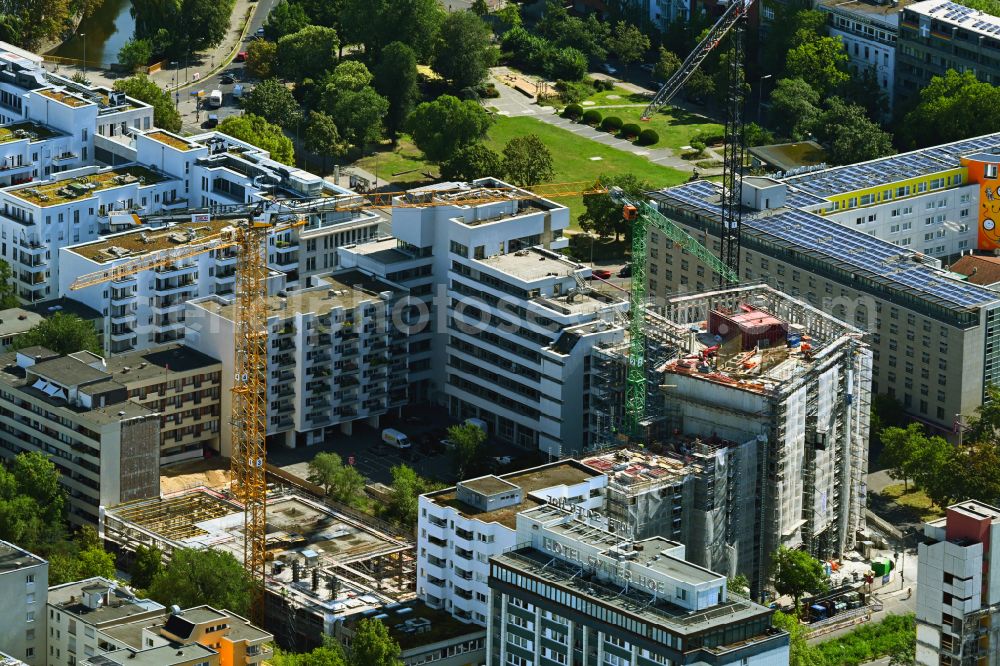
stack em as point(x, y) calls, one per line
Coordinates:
point(84, 36)
point(173, 65)
point(760, 94)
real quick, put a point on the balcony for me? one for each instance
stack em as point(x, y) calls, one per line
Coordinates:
point(175, 204)
point(175, 271)
point(65, 157)
point(122, 333)
point(166, 305)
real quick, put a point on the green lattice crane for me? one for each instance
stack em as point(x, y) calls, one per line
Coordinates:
point(641, 214)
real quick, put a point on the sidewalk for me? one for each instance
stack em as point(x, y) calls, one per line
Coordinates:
point(201, 64)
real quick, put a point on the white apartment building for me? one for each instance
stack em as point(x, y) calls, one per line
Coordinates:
point(460, 528)
point(958, 588)
point(24, 583)
point(72, 408)
point(507, 323)
point(335, 356)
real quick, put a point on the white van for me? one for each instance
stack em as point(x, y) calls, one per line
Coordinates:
point(215, 99)
point(479, 423)
point(395, 439)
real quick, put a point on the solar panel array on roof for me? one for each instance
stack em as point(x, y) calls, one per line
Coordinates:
point(849, 178)
point(836, 244)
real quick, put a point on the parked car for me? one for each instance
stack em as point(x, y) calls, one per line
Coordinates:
point(238, 91)
point(601, 273)
point(227, 78)
point(447, 444)
point(260, 33)
point(213, 120)
point(649, 67)
point(241, 56)
point(626, 271)
point(608, 68)
point(502, 460)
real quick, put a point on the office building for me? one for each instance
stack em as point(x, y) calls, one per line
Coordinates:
point(576, 590)
point(507, 324)
point(958, 587)
point(758, 408)
point(934, 345)
point(460, 528)
point(336, 355)
point(106, 446)
point(938, 35)
point(24, 583)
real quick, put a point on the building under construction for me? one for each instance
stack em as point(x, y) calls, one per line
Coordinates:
point(323, 565)
point(762, 402)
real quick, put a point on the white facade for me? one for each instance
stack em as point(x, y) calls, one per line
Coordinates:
point(958, 587)
point(334, 355)
point(455, 540)
point(24, 583)
point(514, 320)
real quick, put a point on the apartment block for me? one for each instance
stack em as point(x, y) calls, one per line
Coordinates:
point(73, 409)
point(335, 355)
point(24, 583)
point(958, 587)
point(575, 590)
point(933, 341)
point(460, 528)
point(507, 324)
point(14, 322)
point(938, 35)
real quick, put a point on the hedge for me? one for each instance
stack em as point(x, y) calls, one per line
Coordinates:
point(611, 124)
point(648, 137)
point(631, 130)
point(573, 111)
point(592, 117)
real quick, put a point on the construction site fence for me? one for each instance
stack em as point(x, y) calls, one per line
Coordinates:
point(319, 493)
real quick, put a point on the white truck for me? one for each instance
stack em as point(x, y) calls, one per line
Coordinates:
point(396, 439)
point(215, 99)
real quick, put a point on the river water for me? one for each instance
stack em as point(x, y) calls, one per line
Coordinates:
point(106, 32)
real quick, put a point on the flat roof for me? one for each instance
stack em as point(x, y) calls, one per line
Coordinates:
point(811, 235)
point(977, 509)
point(487, 485)
point(973, 20)
point(171, 140)
point(68, 598)
point(17, 320)
point(27, 129)
point(69, 371)
point(531, 264)
point(55, 192)
point(65, 305)
point(138, 242)
point(887, 11)
point(64, 97)
point(14, 557)
point(384, 251)
point(788, 156)
point(434, 625)
point(164, 655)
point(562, 473)
point(159, 362)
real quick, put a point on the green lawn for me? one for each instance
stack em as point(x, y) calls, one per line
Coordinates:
point(676, 127)
point(617, 96)
point(915, 501)
point(404, 166)
point(572, 157)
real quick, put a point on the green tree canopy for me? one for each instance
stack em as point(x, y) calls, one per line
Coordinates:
point(801, 653)
point(285, 18)
point(463, 52)
point(472, 161)
point(254, 129)
point(821, 62)
point(527, 161)
point(182, 27)
point(62, 333)
point(738, 584)
point(273, 101)
point(396, 80)
point(308, 53)
point(359, 115)
point(372, 645)
point(952, 107)
point(796, 572)
point(84, 557)
point(8, 292)
point(343, 483)
point(900, 450)
point(407, 486)
point(590, 35)
point(209, 576)
point(799, 25)
point(135, 53)
point(323, 137)
point(376, 23)
point(601, 215)
point(144, 89)
point(146, 565)
point(32, 503)
point(441, 127)
point(628, 42)
point(668, 63)
point(467, 442)
point(794, 107)
point(850, 135)
point(262, 59)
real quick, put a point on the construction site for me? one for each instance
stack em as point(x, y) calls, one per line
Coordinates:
point(322, 564)
point(757, 408)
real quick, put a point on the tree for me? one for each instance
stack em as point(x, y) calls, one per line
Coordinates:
point(821, 62)
point(799, 25)
point(62, 333)
point(628, 43)
point(668, 63)
point(187, 25)
point(30, 22)
point(84, 557)
point(359, 115)
point(31, 503)
point(900, 448)
point(699, 86)
point(850, 135)
point(323, 137)
point(254, 129)
point(273, 101)
point(801, 653)
point(471, 162)
point(135, 53)
point(262, 59)
point(480, 8)
point(8, 292)
point(144, 89)
point(328, 654)
point(342, 482)
point(146, 565)
point(307, 53)
point(463, 52)
point(603, 216)
point(350, 75)
point(794, 107)
point(738, 584)
point(937, 472)
point(467, 446)
point(396, 80)
point(372, 645)
point(209, 576)
point(566, 64)
point(886, 412)
point(376, 23)
point(796, 572)
point(285, 18)
point(407, 486)
point(952, 107)
point(527, 161)
point(903, 653)
point(441, 127)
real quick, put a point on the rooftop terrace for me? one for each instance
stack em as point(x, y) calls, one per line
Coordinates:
point(171, 140)
point(138, 242)
point(53, 193)
point(416, 624)
point(26, 130)
point(65, 98)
